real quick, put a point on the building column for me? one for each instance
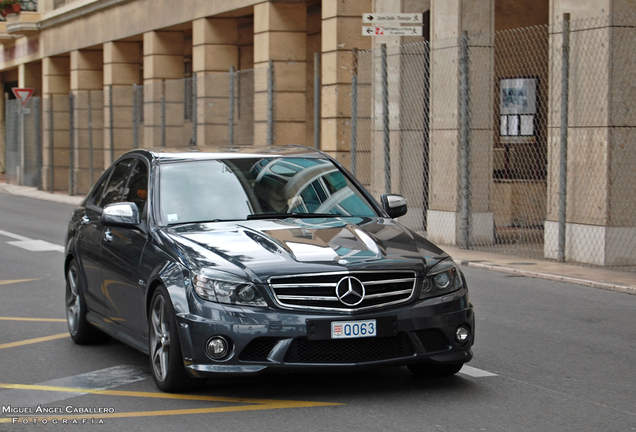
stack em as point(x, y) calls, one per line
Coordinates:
point(163, 63)
point(214, 50)
point(122, 70)
point(87, 82)
point(341, 33)
point(280, 35)
point(449, 20)
point(600, 222)
point(56, 86)
point(30, 76)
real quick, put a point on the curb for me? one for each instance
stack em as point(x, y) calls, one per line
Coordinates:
point(626, 289)
point(31, 192)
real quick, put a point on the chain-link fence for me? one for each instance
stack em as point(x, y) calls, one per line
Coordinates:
point(86, 130)
point(518, 142)
point(23, 143)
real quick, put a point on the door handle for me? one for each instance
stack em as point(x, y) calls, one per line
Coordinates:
point(85, 220)
point(108, 236)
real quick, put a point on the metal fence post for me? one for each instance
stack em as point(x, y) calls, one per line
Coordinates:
point(37, 103)
point(464, 144)
point(270, 103)
point(563, 146)
point(384, 77)
point(231, 109)
point(317, 100)
point(135, 119)
point(111, 126)
point(71, 134)
point(163, 113)
point(22, 145)
point(354, 113)
point(51, 153)
point(90, 138)
point(194, 109)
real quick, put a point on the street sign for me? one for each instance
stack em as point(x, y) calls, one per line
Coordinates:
point(393, 18)
point(23, 94)
point(392, 31)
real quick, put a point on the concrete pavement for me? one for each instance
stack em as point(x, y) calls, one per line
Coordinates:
point(612, 280)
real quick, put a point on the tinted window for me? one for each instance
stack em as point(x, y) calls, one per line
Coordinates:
point(115, 189)
point(96, 196)
point(137, 189)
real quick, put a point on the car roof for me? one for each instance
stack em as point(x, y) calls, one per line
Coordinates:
point(180, 154)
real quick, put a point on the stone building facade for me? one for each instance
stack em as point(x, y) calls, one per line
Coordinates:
point(82, 46)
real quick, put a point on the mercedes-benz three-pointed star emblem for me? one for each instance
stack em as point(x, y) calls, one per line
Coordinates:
point(350, 291)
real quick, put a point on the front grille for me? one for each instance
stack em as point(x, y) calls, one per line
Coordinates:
point(362, 350)
point(433, 340)
point(318, 291)
point(258, 349)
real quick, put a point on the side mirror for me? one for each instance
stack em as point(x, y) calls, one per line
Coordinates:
point(124, 213)
point(394, 205)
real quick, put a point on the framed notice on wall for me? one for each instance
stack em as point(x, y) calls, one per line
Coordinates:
point(517, 106)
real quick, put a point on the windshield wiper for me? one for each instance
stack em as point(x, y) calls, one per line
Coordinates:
point(290, 215)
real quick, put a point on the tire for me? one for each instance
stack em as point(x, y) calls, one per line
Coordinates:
point(426, 370)
point(82, 332)
point(166, 358)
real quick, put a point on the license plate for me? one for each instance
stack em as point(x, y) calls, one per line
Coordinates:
point(353, 329)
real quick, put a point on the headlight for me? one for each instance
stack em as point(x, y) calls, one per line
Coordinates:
point(226, 288)
point(444, 278)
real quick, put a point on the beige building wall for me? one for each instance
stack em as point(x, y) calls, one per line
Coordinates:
point(280, 35)
point(88, 46)
point(215, 49)
point(341, 33)
point(56, 86)
point(163, 99)
point(87, 82)
point(599, 206)
point(122, 64)
point(449, 20)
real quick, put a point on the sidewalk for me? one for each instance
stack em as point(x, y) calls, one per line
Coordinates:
point(38, 194)
point(624, 282)
point(595, 277)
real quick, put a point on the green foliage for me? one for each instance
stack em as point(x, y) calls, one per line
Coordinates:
point(6, 3)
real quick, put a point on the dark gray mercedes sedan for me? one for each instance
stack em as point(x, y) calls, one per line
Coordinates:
point(237, 261)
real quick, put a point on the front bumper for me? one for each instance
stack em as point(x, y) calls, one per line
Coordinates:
point(269, 340)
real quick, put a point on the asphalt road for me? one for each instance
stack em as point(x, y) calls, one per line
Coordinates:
point(549, 356)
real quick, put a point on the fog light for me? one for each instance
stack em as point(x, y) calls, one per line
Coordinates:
point(462, 334)
point(218, 347)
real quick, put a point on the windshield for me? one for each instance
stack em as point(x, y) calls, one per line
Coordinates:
point(239, 189)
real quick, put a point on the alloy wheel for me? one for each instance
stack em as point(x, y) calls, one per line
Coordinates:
point(160, 338)
point(72, 301)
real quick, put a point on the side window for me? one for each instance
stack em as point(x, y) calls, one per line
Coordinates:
point(115, 188)
point(96, 196)
point(137, 190)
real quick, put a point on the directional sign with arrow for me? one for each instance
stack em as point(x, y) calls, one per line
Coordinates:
point(394, 18)
point(392, 31)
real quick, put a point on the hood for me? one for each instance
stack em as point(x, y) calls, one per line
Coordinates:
point(263, 248)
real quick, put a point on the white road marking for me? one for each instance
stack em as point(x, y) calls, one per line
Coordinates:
point(97, 380)
point(13, 236)
point(475, 373)
point(37, 245)
point(30, 244)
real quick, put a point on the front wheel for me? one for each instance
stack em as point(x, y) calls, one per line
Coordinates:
point(426, 370)
point(82, 332)
point(166, 359)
